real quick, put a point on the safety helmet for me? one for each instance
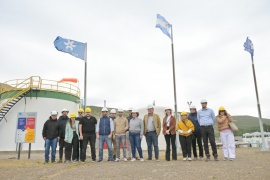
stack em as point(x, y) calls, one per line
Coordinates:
point(80, 110)
point(183, 113)
point(104, 110)
point(72, 115)
point(120, 110)
point(64, 110)
point(130, 109)
point(54, 113)
point(150, 106)
point(192, 107)
point(203, 101)
point(135, 111)
point(168, 108)
point(221, 108)
point(88, 110)
point(113, 111)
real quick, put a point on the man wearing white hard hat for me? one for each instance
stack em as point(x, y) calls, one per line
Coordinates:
point(104, 132)
point(62, 120)
point(120, 128)
point(207, 118)
point(152, 127)
point(50, 134)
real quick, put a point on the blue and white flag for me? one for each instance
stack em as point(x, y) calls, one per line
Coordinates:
point(249, 46)
point(74, 48)
point(163, 25)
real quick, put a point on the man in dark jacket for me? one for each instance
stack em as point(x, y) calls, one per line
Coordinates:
point(50, 134)
point(62, 123)
point(197, 133)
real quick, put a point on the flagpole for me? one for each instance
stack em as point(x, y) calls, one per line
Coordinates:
point(263, 148)
point(174, 88)
point(85, 75)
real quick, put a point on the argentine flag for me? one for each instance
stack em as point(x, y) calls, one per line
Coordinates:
point(72, 47)
point(163, 25)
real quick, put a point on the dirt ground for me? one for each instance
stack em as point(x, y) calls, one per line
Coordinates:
point(250, 164)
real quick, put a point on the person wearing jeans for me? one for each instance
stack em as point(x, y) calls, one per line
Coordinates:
point(104, 133)
point(226, 134)
point(120, 128)
point(152, 127)
point(206, 118)
point(169, 133)
point(197, 133)
point(50, 134)
point(136, 128)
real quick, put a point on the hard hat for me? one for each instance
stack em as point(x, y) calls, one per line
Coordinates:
point(221, 108)
point(54, 113)
point(120, 110)
point(168, 108)
point(64, 110)
point(104, 110)
point(150, 106)
point(113, 111)
point(88, 110)
point(72, 115)
point(80, 110)
point(183, 113)
point(130, 109)
point(135, 111)
point(203, 101)
point(192, 107)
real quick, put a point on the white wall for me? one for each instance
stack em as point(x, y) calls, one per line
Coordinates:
point(43, 107)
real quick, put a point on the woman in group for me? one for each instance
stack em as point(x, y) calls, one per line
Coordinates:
point(169, 133)
point(197, 133)
point(226, 134)
point(136, 134)
point(72, 139)
point(185, 128)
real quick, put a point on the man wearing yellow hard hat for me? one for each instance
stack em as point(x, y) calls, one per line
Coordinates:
point(87, 129)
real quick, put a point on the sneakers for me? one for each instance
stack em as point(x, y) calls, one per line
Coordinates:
point(125, 159)
point(82, 161)
point(67, 161)
point(53, 161)
point(141, 159)
point(46, 162)
point(100, 161)
point(189, 159)
point(116, 160)
point(157, 159)
point(75, 161)
point(93, 160)
point(207, 157)
point(133, 159)
point(184, 159)
point(225, 158)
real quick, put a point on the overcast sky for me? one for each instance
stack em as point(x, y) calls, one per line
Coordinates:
point(129, 60)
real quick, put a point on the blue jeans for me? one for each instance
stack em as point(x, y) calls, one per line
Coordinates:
point(102, 139)
point(53, 144)
point(135, 142)
point(152, 140)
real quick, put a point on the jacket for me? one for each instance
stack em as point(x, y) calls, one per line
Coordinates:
point(185, 126)
point(194, 120)
point(156, 121)
point(69, 132)
point(62, 120)
point(223, 121)
point(172, 125)
point(50, 129)
point(120, 125)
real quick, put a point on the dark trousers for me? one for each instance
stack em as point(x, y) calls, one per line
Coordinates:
point(61, 147)
point(185, 145)
point(170, 139)
point(72, 147)
point(92, 139)
point(152, 140)
point(197, 139)
point(208, 133)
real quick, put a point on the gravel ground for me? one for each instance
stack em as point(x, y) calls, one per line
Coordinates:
point(250, 164)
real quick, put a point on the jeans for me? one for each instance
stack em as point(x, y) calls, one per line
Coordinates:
point(102, 139)
point(208, 133)
point(53, 144)
point(135, 142)
point(152, 139)
point(92, 139)
point(198, 139)
point(122, 139)
point(170, 139)
point(61, 147)
point(227, 139)
point(185, 145)
point(72, 147)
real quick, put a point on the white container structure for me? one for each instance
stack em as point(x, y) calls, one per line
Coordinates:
point(255, 139)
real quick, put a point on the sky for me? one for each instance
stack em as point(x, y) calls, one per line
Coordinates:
point(129, 61)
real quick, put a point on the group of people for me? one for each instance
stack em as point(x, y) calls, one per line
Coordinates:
point(74, 133)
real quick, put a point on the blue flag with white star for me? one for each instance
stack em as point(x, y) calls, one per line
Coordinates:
point(163, 25)
point(72, 47)
point(249, 46)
